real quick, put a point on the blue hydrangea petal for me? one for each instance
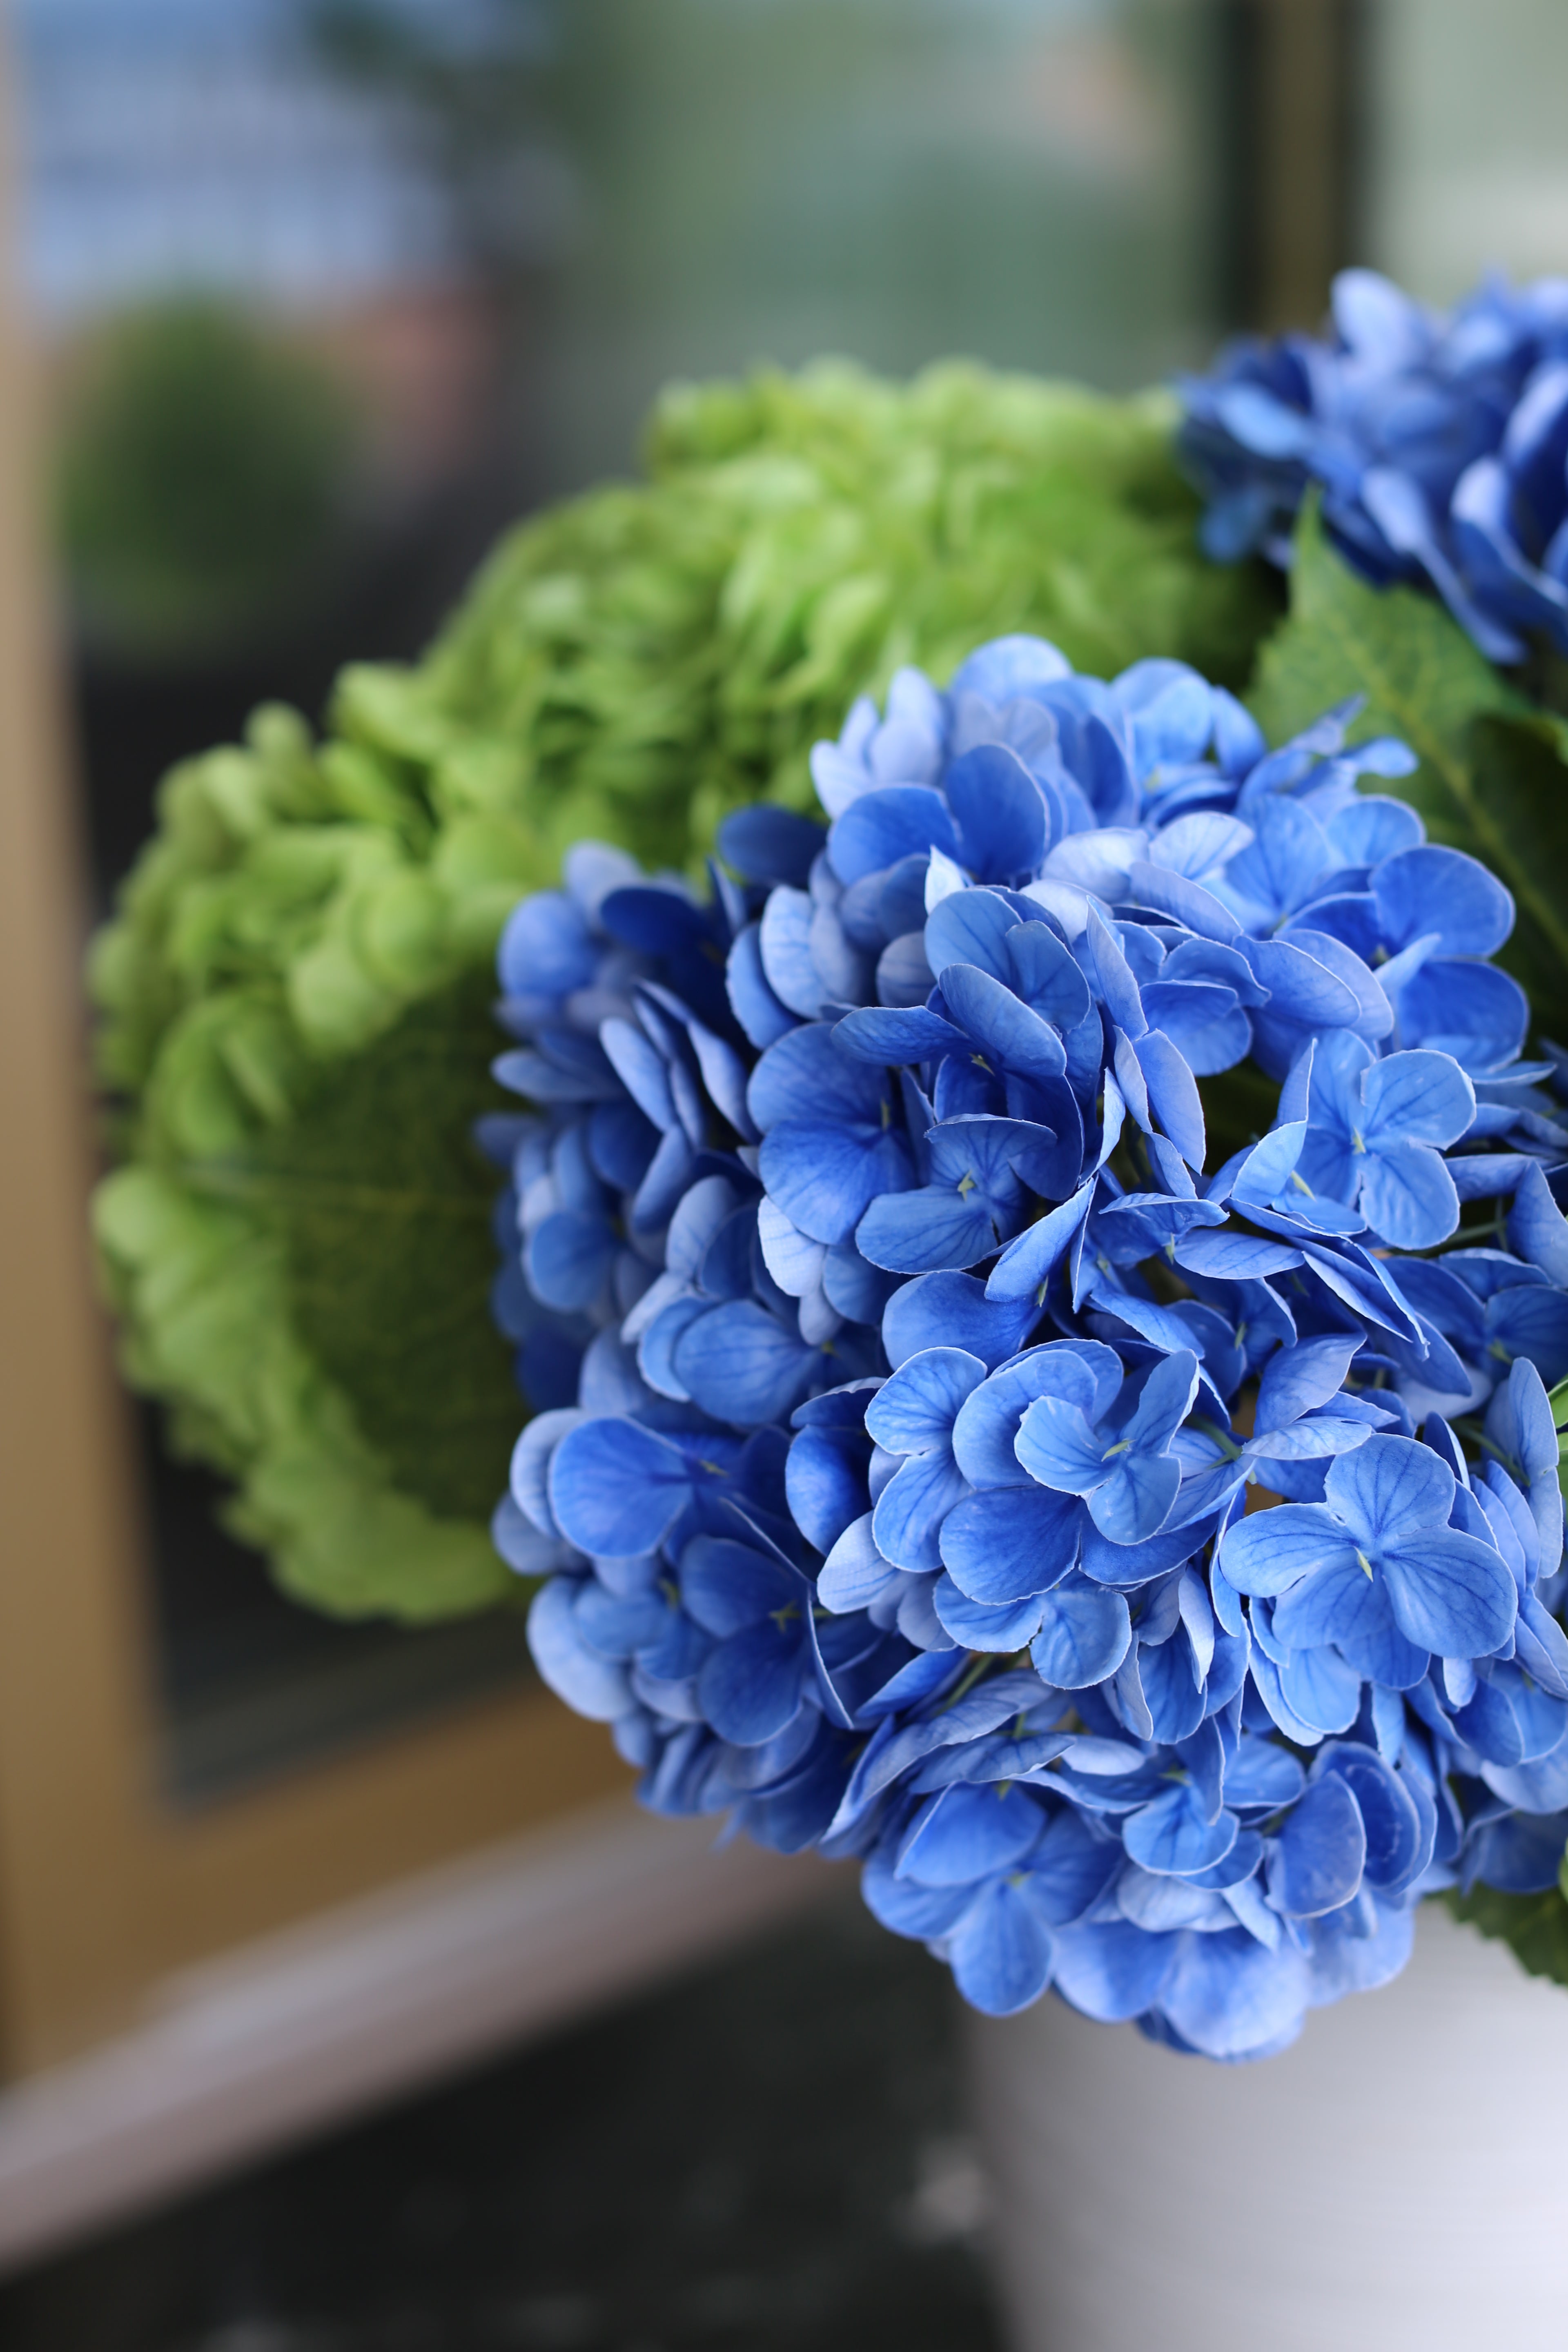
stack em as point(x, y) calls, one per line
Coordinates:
point(897, 1035)
point(1417, 1097)
point(854, 1288)
point(727, 1585)
point(1520, 1854)
point(1390, 1488)
point(1165, 1402)
point(955, 1309)
point(1299, 1379)
point(825, 1174)
point(976, 1627)
point(971, 926)
point(766, 844)
point(805, 1076)
point(1320, 1689)
point(1007, 1030)
point(1269, 1552)
point(1000, 815)
point(964, 1833)
point(592, 1685)
point(1434, 887)
point(1083, 1372)
point(1407, 1196)
point(915, 1410)
point(1171, 1838)
point(530, 1459)
point(742, 1366)
point(546, 947)
point(617, 1487)
point(1084, 1636)
point(923, 1230)
point(1001, 1951)
point(1114, 1972)
point(1343, 1605)
point(1046, 975)
point(1028, 1261)
point(1472, 1010)
point(1137, 1498)
point(1069, 1870)
point(568, 1259)
point(1318, 1858)
point(826, 1483)
point(909, 1909)
point(1301, 988)
point(752, 1685)
point(788, 964)
point(882, 826)
point(1009, 666)
point(525, 1550)
point(1537, 1228)
point(761, 1016)
point(1229, 1997)
point(854, 1574)
point(1451, 1593)
point(909, 1512)
point(1395, 1843)
point(1174, 1097)
point(1058, 1448)
point(1010, 1543)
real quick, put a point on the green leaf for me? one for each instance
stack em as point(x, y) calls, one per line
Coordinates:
point(381, 1202)
point(1536, 1925)
point(1522, 781)
point(1422, 677)
point(1492, 779)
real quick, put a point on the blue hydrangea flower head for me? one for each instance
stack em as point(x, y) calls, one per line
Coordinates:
point(1147, 1569)
point(1437, 441)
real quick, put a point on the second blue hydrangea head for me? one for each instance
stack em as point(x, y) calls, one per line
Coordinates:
point(1439, 442)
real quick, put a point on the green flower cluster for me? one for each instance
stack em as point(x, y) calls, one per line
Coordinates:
point(295, 989)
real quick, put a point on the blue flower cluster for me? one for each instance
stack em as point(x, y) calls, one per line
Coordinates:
point(1438, 440)
point(1147, 1572)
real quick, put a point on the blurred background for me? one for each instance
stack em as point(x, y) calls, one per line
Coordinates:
point(325, 293)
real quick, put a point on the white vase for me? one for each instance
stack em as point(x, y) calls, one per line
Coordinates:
point(1397, 2181)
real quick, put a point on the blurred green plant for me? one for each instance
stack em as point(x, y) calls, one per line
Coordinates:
point(202, 477)
point(295, 988)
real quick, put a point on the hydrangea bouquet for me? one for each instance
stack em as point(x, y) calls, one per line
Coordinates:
point(1140, 1551)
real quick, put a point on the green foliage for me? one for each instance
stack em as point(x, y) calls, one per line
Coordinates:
point(295, 987)
point(310, 1294)
point(1492, 777)
point(1535, 1925)
point(200, 477)
point(382, 1202)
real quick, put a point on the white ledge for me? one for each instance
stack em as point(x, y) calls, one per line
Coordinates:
point(363, 2005)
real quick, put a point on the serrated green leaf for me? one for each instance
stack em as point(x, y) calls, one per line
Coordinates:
point(383, 1203)
point(1522, 782)
point(1492, 779)
point(1536, 1925)
point(1422, 677)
